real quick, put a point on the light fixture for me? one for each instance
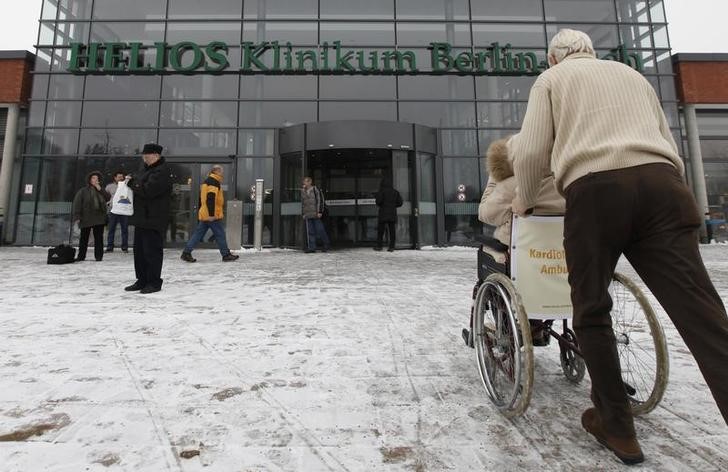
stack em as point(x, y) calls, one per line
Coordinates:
point(389, 145)
point(331, 145)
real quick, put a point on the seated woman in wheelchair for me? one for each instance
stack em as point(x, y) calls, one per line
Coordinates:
point(496, 210)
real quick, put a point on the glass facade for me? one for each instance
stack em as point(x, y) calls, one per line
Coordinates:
point(236, 118)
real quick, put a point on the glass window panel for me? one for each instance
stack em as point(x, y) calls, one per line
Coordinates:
point(120, 114)
point(424, 58)
point(632, 11)
point(580, 10)
point(657, 11)
point(195, 9)
point(602, 36)
point(49, 9)
point(438, 114)
point(511, 10)
point(130, 9)
point(203, 33)
point(46, 34)
point(122, 87)
point(191, 114)
point(60, 141)
point(63, 114)
point(432, 9)
point(42, 60)
point(354, 9)
point(334, 111)
point(55, 198)
point(256, 142)
point(127, 32)
point(667, 88)
point(660, 35)
point(250, 169)
point(67, 33)
point(436, 87)
point(65, 87)
point(525, 36)
point(40, 86)
point(37, 113)
point(299, 33)
point(358, 87)
point(115, 141)
point(636, 36)
point(181, 87)
point(713, 124)
point(664, 62)
point(654, 82)
point(501, 114)
point(714, 148)
point(422, 34)
point(281, 9)
point(459, 142)
point(672, 114)
point(197, 142)
point(74, 10)
point(503, 88)
point(487, 136)
point(34, 141)
point(261, 87)
point(461, 180)
point(276, 114)
point(61, 58)
point(358, 34)
point(648, 61)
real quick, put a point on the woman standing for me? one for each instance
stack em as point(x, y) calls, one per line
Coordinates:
point(388, 200)
point(89, 210)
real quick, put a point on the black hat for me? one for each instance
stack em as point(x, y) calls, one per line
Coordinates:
point(152, 148)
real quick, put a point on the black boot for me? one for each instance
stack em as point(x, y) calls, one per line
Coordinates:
point(187, 257)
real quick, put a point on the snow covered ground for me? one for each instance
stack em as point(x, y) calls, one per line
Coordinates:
point(284, 361)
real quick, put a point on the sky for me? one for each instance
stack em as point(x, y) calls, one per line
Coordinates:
point(694, 25)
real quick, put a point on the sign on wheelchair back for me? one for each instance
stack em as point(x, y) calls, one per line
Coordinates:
point(538, 266)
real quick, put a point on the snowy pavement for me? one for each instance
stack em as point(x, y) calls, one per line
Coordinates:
point(283, 361)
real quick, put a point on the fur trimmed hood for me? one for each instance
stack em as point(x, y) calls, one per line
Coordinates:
point(500, 164)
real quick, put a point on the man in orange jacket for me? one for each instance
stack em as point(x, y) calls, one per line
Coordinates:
point(210, 217)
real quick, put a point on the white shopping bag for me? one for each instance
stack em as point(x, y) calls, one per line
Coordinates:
point(122, 202)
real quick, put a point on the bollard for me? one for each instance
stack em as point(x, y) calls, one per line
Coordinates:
point(234, 224)
point(258, 228)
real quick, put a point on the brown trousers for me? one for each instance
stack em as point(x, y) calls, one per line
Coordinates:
point(648, 214)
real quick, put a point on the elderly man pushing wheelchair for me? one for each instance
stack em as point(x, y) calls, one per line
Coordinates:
point(599, 127)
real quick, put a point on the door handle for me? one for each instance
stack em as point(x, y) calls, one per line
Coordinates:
point(417, 212)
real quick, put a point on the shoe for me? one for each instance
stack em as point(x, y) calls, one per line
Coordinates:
point(377, 248)
point(391, 249)
point(230, 257)
point(134, 287)
point(124, 249)
point(111, 249)
point(99, 260)
point(466, 337)
point(150, 289)
point(80, 259)
point(626, 449)
point(187, 257)
point(309, 251)
point(325, 249)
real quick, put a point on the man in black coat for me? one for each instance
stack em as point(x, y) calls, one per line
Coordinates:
point(152, 187)
point(388, 200)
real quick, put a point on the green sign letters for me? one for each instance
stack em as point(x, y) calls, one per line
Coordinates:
point(272, 57)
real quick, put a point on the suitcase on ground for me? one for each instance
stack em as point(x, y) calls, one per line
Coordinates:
point(61, 254)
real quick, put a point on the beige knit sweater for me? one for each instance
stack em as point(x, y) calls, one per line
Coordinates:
point(588, 115)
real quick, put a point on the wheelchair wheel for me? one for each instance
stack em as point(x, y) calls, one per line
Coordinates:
point(503, 347)
point(641, 345)
point(572, 364)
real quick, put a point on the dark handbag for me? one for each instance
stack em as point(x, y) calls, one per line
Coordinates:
point(61, 254)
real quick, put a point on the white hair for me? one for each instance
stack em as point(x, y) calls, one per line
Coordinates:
point(569, 41)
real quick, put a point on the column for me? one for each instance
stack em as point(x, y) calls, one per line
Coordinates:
point(11, 136)
point(696, 164)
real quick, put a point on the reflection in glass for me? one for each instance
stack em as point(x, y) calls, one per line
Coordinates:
point(203, 33)
point(580, 10)
point(660, 35)
point(459, 142)
point(358, 34)
point(125, 114)
point(130, 9)
point(64, 87)
point(193, 114)
point(40, 86)
point(657, 11)
point(291, 221)
point(37, 113)
point(422, 34)
point(518, 36)
point(359, 87)
point(511, 10)
point(435, 87)
point(182, 211)
point(501, 114)
point(67, 33)
point(461, 180)
point(115, 141)
point(74, 9)
point(298, 33)
point(602, 36)
point(427, 220)
point(334, 111)
point(432, 9)
point(438, 114)
point(127, 32)
point(55, 197)
point(195, 142)
point(635, 36)
point(281, 9)
point(503, 88)
point(49, 9)
point(60, 141)
point(256, 142)
point(122, 87)
point(276, 114)
point(259, 87)
point(355, 10)
point(46, 34)
point(63, 114)
point(191, 87)
point(194, 9)
point(632, 11)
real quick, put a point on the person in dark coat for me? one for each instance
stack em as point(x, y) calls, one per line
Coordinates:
point(152, 187)
point(89, 211)
point(388, 200)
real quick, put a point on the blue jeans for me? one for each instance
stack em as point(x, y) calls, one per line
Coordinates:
point(315, 229)
point(123, 221)
point(217, 231)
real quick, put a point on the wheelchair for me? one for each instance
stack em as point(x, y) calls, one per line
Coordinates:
point(504, 333)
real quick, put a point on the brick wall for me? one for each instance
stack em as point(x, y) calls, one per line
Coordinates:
point(702, 82)
point(15, 80)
